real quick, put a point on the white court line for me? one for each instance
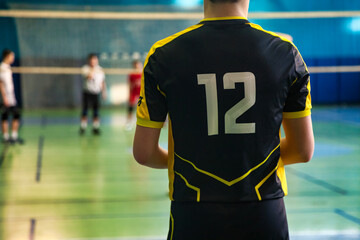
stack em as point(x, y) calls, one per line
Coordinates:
point(166, 15)
point(126, 71)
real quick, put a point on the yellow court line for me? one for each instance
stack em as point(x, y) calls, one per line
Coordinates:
point(166, 15)
point(263, 181)
point(126, 71)
point(191, 186)
point(228, 183)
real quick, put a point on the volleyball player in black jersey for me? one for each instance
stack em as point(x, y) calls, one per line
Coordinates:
point(227, 86)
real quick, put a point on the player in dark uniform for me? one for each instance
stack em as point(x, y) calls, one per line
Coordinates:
point(227, 86)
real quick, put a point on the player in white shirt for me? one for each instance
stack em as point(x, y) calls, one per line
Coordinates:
point(9, 104)
point(93, 86)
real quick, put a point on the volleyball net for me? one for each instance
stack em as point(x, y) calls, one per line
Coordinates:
point(53, 44)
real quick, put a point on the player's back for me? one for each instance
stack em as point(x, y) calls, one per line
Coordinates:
point(226, 84)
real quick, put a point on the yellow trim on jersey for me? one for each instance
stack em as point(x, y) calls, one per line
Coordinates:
point(158, 88)
point(191, 186)
point(281, 173)
point(282, 176)
point(172, 226)
point(306, 112)
point(223, 18)
point(263, 181)
point(148, 123)
point(228, 183)
point(142, 110)
point(308, 105)
point(258, 27)
point(171, 161)
point(293, 115)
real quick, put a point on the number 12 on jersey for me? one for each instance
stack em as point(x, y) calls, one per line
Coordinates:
point(230, 80)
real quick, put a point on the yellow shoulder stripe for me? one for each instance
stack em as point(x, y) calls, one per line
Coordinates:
point(143, 111)
point(196, 189)
point(258, 27)
point(167, 40)
point(228, 183)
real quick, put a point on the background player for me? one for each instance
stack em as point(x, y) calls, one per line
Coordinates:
point(94, 85)
point(9, 104)
point(227, 86)
point(134, 90)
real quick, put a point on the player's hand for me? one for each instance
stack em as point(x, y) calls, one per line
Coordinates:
point(6, 103)
point(104, 95)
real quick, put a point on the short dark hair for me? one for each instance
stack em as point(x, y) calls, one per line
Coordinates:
point(91, 55)
point(224, 1)
point(6, 53)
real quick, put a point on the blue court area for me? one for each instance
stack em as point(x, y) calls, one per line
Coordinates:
point(60, 186)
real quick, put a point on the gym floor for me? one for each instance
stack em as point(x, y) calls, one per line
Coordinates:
point(60, 186)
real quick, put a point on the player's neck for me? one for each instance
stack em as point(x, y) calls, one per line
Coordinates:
point(225, 10)
point(6, 63)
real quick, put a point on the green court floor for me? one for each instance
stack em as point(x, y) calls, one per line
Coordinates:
point(60, 186)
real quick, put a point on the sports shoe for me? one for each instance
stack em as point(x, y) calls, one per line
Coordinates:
point(82, 131)
point(19, 141)
point(96, 131)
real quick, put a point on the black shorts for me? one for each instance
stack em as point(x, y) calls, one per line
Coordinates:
point(90, 101)
point(7, 111)
point(265, 220)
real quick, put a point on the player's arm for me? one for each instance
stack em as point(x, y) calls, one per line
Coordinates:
point(146, 148)
point(298, 144)
point(87, 73)
point(104, 89)
point(151, 115)
point(3, 93)
point(130, 84)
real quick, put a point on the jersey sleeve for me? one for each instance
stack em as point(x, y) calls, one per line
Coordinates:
point(298, 102)
point(152, 108)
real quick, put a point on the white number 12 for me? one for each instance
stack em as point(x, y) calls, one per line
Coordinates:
point(230, 79)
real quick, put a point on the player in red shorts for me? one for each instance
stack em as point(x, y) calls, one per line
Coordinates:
point(134, 90)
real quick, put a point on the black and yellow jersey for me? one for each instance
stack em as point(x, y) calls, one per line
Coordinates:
point(226, 84)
